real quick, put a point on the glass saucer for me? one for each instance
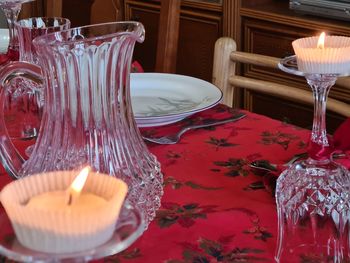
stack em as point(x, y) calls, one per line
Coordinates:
point(129, 227)
point(290, 65)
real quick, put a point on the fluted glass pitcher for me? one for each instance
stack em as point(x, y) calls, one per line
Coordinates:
point(87, 116)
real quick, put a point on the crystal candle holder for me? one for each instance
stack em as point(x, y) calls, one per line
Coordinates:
point(313, 196)
point(63, 228)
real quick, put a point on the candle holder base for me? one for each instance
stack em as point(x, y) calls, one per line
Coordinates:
point(129, 227)
point(313, 204)
point(313, 196)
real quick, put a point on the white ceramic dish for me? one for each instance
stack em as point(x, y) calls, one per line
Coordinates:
point(160, 98)
point(4, 39)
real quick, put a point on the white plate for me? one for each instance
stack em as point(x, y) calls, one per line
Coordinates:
point(4, 39)
point(160, 98)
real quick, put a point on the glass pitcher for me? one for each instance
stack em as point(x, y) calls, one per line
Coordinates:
point(87, 116)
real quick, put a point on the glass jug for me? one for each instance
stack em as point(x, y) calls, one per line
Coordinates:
point(87, 116)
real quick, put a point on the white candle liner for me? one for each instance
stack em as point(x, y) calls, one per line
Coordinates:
point(62, 231)
point(333, 59)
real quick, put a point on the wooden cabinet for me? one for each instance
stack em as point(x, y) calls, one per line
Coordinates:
point(268, 27)
point(201, 23)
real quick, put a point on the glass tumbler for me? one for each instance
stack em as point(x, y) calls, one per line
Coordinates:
point(25, 96)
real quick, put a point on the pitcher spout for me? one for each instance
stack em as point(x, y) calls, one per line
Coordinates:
point(140, 33)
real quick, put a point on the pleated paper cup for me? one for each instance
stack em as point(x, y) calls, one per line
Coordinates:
point(63, 230)
point(334, 58)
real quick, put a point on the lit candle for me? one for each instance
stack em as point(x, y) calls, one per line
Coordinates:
point(56, 200)
point(46, 220)
point(323, 54)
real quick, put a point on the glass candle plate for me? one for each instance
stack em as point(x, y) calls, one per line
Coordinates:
point(129, 227)
point(290, 65)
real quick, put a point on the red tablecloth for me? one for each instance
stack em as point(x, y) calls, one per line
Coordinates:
point(214, 207)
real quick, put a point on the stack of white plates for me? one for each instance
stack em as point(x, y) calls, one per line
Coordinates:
point(4, 40)
point(159, 98)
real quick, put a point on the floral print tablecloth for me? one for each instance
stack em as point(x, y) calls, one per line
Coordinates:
point(215, 208)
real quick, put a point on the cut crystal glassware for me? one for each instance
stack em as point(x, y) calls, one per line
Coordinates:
point(87, 115)
point(25, 94)
point(313, 196)
point(12, 9)
point(18, 98)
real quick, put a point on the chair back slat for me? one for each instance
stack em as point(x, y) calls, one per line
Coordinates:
point(168, 34)
point(255, 59)
point(224, 76)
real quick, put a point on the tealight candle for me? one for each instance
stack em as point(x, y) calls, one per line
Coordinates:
point(323, 55)
point(57, 200)
point(48, 214)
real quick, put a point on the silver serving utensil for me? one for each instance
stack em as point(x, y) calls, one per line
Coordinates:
point(264, 165)
point(270, 167)
point(174, 138)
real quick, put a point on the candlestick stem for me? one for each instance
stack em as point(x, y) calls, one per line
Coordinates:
point(319, 148)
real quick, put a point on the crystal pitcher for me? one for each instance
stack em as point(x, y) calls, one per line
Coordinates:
point(87, 116)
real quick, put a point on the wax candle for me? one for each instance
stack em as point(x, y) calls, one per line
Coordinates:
point(57, 200)
point(71, 199)
point(323, 54)
point(44, 220)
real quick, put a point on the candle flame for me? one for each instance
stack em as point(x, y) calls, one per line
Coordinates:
point(80, 180)
point(321, 39)
point(77, 185)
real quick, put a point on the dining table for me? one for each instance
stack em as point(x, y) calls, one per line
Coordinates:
point(215, 206)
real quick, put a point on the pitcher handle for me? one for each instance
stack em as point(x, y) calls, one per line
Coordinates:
point(10, 158)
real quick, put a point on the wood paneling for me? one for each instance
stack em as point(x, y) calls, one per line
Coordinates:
point(287, 111)
point(148, 15)
point(77, 11)
point(201, 24)
point(269, 28)
point(198, 33)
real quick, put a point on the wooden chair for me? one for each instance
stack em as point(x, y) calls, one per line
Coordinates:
point(168, 34)
point(225, 58)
